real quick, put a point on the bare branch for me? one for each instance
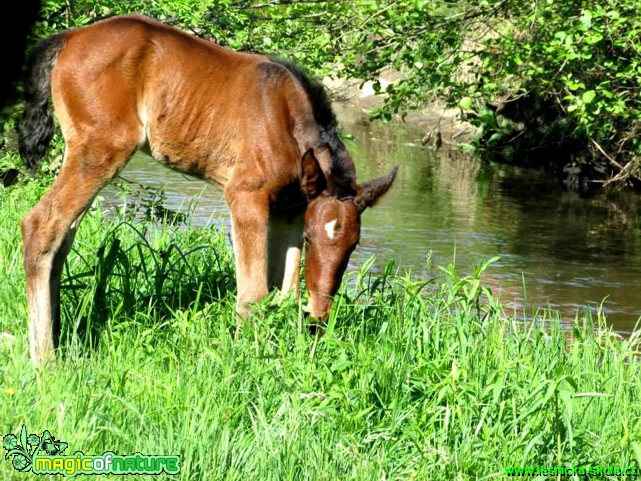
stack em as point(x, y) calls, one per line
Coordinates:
point(367, 20)
point(461, 17)
point(606, 155)
point(285, 2)
point(625, 171)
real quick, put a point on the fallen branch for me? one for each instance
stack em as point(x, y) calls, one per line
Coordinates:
point(605, 154)
point(625, 171)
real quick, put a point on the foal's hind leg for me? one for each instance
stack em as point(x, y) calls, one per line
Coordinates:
point(56, 276)
point(48, 231)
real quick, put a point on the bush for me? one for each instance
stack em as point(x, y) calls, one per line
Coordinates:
point(550, 83)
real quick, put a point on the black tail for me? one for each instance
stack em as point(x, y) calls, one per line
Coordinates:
point(36, 124)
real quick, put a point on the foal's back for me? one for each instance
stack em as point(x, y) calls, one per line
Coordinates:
point(196, 106)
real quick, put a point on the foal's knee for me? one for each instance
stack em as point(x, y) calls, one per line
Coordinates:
point(39, 239)
point(31, 232)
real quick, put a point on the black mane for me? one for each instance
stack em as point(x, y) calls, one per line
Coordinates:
point(343, 176)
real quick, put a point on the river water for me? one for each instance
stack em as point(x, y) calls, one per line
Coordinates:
point(557, 250)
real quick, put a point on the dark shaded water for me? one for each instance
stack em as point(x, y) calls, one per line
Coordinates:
point(557, 250)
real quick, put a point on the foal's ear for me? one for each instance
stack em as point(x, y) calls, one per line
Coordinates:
point(372, 190)
point(312, 181)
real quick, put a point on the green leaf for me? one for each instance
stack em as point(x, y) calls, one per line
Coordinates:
point(588, 96)
point(593, 38)
point(465, 103)
point(586, 20)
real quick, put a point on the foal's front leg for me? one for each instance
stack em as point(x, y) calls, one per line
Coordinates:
point(249, 216)
point(285, 243)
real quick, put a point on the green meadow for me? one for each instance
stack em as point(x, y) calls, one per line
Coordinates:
point(413, 379)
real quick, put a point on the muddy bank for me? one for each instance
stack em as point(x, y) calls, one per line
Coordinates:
point(437, 124)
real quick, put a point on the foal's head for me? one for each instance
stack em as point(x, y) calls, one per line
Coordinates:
point(332, 229)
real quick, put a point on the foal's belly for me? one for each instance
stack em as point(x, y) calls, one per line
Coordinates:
point(212, 163)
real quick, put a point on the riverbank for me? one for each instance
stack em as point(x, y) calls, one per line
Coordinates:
point(403, 385)
point(437, 124)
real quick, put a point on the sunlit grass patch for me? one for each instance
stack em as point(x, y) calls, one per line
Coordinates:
point(412, 379)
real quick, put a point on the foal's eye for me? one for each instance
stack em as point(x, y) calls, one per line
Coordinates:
point(306, 238)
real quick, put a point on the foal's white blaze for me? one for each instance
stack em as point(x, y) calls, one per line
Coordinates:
point(330, 228)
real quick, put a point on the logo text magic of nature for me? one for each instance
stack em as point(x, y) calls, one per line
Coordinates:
point(43, 455)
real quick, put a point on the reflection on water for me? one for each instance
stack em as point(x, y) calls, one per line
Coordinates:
point(570, 252)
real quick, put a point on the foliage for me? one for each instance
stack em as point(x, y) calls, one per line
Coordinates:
point(298, 29)
point(565, 74)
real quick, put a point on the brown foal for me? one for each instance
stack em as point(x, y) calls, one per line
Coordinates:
point(255, 125)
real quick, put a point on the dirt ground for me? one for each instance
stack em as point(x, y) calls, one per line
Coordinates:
point(437, 124)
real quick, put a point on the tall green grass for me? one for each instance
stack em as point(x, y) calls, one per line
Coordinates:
point(412, 380)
